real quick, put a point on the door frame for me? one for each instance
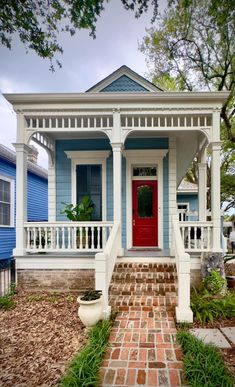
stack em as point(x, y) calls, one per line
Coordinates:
point(153, 183)
point(150, 157)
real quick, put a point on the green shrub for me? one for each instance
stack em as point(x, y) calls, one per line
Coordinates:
point(6, 302)
point(206, 308)
point(84, 368)
point(203, 364)
point(215, 283)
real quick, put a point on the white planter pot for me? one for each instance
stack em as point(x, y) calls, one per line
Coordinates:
point(90, 312)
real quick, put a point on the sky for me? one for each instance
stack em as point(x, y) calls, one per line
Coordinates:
point(85, 61)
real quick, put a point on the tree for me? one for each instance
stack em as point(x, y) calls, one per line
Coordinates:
point(193, 48)
point(194, 43)
point(39, 22)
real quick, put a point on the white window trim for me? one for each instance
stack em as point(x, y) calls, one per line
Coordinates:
point(183, 204)
point(89, 158)
point(150, 157)
point(12, 201)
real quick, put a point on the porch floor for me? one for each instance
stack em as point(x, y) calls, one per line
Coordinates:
point(143, 349)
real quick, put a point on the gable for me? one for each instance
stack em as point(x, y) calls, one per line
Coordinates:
point(124, 80)
point(124, 84)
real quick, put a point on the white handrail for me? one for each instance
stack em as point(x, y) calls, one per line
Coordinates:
point(66, 236)
point(196, 235)
point(183, 310)
point(104, 265)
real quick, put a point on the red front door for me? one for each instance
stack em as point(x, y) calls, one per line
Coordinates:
point(144, 220)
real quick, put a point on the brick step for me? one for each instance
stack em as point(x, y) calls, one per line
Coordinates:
point(141, 278)
point(130, 267)
point(143, 288)
point(143, 302)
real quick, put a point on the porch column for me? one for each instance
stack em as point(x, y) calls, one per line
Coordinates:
point(21, 198)
point(117, 187)
point(215, 195)
point(202, 186)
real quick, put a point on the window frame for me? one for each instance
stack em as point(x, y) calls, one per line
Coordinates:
point(12, 201)
point(187, 210)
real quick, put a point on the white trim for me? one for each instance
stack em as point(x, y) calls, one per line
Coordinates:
point(35, 262)
point(89, 157)
point(12, 201)
point(172, 183)
point(135, 157)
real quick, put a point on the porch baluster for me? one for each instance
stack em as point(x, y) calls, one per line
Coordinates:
point(98, 237)
point(57, 238)
point(46, 238)
point(63, 238)
point(28, 238)
point(69, 237)
point(74, 237)
point(92, 238)
point(86, 237)
point(195, 238)
point(202, 238)
point(81, 232)
point(34, 238)
point(189, 237)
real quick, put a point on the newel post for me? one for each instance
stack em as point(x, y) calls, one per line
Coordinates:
point(101, 281)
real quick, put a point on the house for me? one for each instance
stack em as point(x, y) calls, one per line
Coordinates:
point(187, 201)
point(37, 203)
point(128, 144)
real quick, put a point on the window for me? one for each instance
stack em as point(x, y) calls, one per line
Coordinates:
point(182, 210)
point(89, 183)
point(144, 171)
point(6, 201)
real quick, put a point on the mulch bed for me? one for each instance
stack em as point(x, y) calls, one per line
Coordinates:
point(38, 339)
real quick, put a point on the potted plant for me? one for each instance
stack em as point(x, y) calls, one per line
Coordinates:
point(230, 271)
point(82, 212)
point(90, 307)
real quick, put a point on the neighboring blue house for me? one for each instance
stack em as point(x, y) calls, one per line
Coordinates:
point(37, 198)
point(187, 201)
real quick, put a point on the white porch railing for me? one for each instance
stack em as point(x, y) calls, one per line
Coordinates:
point(183, 310)
point(66, 236)
point(104, 265)
point(196, 236)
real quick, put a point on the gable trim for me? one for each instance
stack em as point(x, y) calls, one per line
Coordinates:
point(124, 70)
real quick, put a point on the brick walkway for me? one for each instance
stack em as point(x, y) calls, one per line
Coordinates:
point(142, 348)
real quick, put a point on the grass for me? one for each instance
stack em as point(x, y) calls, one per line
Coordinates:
point(7, 302)
point(203, 364)
point(84, 368)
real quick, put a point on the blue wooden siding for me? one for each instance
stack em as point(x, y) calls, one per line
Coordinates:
point(63, 176)
point(63, 167)
point(37, 205)
point(37, 198)
point(124, 84)
point(192, 200)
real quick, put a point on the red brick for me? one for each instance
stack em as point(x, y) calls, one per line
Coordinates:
point(174, 378)
point(141, 377)
point(131, 376)
point(109, 377)
point(115, 353)
point(152, 378)
point(120, 378)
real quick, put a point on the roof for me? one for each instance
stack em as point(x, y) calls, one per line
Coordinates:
point(124, 80)
point(9, 155)
point(186, 187)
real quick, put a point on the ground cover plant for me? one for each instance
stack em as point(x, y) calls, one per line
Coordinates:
point(84, 369)
point(203, 363)
point(207, 308)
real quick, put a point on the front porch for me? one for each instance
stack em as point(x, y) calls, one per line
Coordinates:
point(128, 152)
